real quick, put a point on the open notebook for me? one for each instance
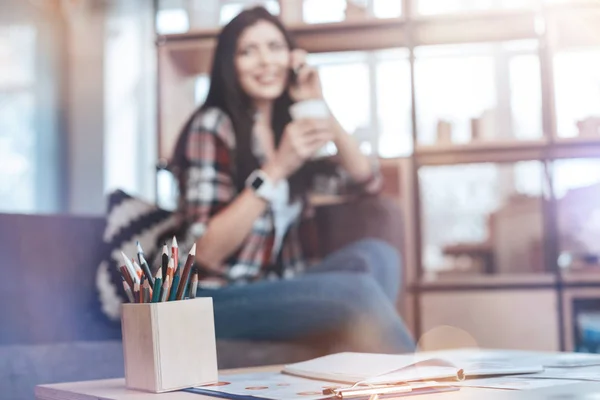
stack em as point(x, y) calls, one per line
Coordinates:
point(376, 369)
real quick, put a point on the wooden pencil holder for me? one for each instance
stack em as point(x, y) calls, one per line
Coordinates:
point(169, 346)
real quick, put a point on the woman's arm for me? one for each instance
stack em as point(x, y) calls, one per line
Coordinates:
point(351, 158)
point(308, 87)
point(227, 228)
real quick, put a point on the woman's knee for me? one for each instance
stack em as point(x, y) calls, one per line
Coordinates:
point(379, 248)
point(361, 293)
point(381, 256)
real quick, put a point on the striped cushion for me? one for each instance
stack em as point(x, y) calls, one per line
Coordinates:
point(129, 220)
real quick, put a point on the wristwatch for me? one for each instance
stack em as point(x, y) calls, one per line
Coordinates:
point(262, 185)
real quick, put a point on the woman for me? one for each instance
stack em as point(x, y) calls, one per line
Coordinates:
point(244, 168)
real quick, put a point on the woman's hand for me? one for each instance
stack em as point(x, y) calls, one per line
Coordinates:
point(301, 140)
point(307, 84)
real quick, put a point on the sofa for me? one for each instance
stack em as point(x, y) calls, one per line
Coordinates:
point(52, 328)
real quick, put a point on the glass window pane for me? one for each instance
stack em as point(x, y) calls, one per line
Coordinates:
point(319, 11)
point(577, 83)
point(201, 88)
point(482, 218)
point(454, 88)
point(387, 8)
point(18, 137)
point(174, 20)
point(526, 97)
point(17, 57)
point(17, 152)
point(394, 105)
point(230, 10)
point(577, 188)
point(478, 92)
point(431, 7)
point(349, 103)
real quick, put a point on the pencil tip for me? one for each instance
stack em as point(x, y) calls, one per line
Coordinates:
point(174, 242)
point(158, 274)
point(193, 250)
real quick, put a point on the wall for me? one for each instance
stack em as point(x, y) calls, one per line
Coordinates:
point(130, 99)
point(110, 100)
point(85, 106)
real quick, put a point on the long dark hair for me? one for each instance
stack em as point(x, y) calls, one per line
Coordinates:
point(226, 94)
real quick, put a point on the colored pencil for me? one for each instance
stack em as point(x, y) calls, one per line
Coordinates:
point(138, 270)
point(136, 293)
point(194, 284)
point(175, 286)
point(157, 286)
point(146, 290)
point(126, 276)
point(142, 289)
point(128, 291)
point(130, 268)
point(175, 251)
point(165, 259)
point(144, 264)
point(165, 289)
point(185, 275)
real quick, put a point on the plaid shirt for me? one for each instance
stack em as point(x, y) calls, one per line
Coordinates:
point(211, 188)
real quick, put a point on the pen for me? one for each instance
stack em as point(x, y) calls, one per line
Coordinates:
point(361, 391)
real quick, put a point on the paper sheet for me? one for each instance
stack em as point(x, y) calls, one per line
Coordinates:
point(276, 386)
point(516, 357)
point(581, 373)
point(513, 383)
point(270, 385)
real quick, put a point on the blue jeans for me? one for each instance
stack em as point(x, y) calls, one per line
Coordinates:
point(350, 295)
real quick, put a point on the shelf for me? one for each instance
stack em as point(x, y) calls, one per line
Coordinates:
point(372, 34)
point(487, 282)
point(507, 151)
point(562, 19)
point(480, 152)
point(295, 29)
point(487, 26)
point(577, 147)
point(581, 278)
point(192, 51)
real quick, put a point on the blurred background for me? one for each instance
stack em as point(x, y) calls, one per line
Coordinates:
point(485, 115)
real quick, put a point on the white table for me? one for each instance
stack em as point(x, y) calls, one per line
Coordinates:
point(114, 389)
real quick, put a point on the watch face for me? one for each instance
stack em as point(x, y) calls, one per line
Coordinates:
point(257, 182)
